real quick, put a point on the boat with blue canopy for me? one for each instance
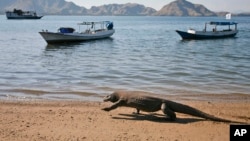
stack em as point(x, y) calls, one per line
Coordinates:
point(217, 31)
point(92, 31)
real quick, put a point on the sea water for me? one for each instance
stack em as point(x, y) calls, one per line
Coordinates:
point(144, 54)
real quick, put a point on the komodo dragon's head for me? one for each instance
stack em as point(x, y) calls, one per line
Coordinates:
point(111, 97)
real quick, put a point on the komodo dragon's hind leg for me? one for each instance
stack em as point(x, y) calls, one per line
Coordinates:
point(168, 112)
point(137, 111)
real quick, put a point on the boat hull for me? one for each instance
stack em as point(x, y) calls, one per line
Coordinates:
point(19, 14)
point(23, 17)
point(199, 35)
point(57, 37)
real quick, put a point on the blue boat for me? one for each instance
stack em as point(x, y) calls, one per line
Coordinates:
point(214, 33)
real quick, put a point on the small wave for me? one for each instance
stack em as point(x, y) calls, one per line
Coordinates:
point(43, 92)
point(28, 91)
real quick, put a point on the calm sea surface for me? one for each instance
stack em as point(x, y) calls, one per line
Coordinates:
point(145, 54)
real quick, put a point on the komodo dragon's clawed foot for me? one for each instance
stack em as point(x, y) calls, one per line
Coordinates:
point(137, 112)
point(106, 109)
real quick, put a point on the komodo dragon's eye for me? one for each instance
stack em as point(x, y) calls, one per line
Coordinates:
point(107, 98)
point(111, 98)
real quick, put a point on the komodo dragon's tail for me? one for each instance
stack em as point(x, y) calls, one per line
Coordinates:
point(185, 109)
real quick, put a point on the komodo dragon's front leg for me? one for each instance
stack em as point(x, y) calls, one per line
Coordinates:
point(115, 105)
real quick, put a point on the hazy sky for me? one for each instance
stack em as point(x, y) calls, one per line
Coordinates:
point(214, 5)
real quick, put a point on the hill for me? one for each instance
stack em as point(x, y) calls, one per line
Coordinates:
point(128, 9)
point(62, 7)
point(184, 8)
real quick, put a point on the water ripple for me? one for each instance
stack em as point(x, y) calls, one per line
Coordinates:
point(144, 55)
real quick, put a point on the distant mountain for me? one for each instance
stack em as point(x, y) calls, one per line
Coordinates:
point(223, 14)
point(129, 9)
point(62, 7)
point(184, 8)
point(247, 14)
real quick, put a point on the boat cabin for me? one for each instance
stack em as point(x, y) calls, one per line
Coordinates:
point(93, 27)
point(216, 24)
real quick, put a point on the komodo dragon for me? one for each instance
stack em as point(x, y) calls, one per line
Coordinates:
point(153, 104)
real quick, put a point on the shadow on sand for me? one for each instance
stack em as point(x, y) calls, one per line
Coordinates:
point(156, 118)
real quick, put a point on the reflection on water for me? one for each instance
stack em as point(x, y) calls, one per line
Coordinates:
point(50, 47)
point(65, 45)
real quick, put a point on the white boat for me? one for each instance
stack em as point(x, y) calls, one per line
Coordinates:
point(93, 31)
point(215, 33)
point(20, 14)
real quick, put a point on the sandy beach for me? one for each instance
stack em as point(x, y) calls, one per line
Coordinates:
point(22, 120)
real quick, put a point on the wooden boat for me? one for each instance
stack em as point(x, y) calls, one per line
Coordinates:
point(215, 33)
point(20, 14)
point(68, 34)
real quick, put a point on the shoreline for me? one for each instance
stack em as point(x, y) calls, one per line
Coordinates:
point(84, 120)
point(94, 97)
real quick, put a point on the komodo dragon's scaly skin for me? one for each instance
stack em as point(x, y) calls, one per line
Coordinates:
point(153, 104)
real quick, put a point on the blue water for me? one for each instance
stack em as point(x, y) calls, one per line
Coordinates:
point(145, 54)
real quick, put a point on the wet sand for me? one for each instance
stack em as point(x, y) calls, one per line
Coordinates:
point(81, 120)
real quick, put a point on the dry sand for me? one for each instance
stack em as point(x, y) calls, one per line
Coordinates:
point(81, 120)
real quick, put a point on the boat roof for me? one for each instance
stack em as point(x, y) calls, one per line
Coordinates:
point(222, 23)
point(91, 23)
